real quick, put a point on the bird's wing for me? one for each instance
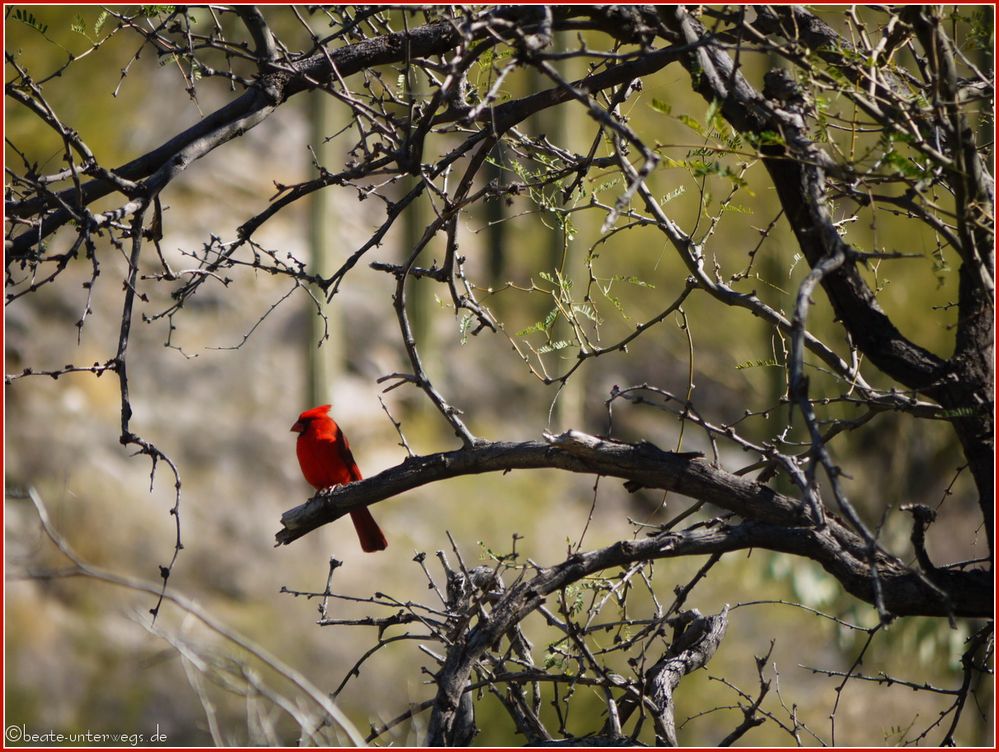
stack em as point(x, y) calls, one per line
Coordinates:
point(346, 455)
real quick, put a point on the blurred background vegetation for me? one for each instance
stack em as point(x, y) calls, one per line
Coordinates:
point(81, 655)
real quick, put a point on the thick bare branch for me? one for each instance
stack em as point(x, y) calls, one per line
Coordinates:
point(839, 551)
point(695, 640)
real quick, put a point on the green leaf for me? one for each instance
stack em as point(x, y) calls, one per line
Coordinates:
point(688, 121)
point(904, 165)
point(712, 111)
point(537, 326)
point(703, 169)
point(608, 184)
point(574, 595)
point(463, 326)
point(764, 138)
point(540, 326)
point(768, 363)
point(553, 346)
point(678, 191)
point(633, 280)
point(152, 11)
point(553, 660)
point(564, 283)
point(614, 301)
point(660, 106)
point(959, 412)
point(29, 20)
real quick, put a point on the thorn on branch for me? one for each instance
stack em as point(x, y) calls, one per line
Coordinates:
point(401, 378)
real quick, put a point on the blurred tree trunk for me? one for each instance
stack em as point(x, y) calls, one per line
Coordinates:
point(419, 296)
point(495, 214)
point(325, 357)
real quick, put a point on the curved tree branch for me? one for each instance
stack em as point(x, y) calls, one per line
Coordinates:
point(962, 385)
point(284, 80)
point(780, 523)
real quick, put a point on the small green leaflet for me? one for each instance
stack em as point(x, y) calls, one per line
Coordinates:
point(552, 347)
point(540, 326)
point(152, 11)
point(688, 121)
point(712, 111)
point(633, 280)
point(79, 25)
point(28, 19)
point(768, 363)
point(959, 412)
point(660, 106)
point(464, 326)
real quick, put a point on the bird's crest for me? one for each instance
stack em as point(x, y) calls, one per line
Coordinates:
point(322, 411)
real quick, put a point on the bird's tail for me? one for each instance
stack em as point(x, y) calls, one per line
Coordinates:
point(371, 536)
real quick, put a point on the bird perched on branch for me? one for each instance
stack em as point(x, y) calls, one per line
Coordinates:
point(326, 460)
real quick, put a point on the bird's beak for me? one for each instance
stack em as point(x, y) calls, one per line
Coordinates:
point(298, 427)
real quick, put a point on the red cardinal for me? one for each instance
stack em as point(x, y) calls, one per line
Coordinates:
point(326, 460)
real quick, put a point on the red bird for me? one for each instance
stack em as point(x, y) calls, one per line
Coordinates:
point(326, 460)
